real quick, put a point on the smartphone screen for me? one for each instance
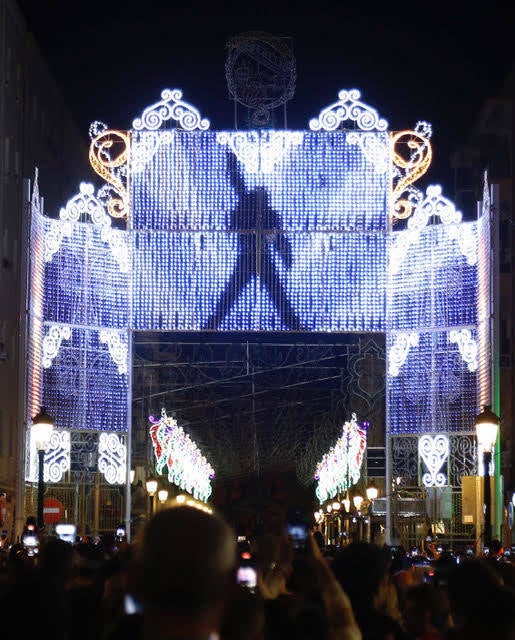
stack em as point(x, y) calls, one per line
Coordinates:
point(31, 544)
point(247, 576)
point(131, 605)
point(298, 533)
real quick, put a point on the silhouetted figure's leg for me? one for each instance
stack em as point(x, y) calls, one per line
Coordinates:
point(270, 278)
point(240, 277)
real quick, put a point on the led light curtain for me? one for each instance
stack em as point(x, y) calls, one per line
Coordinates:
point(223, 243)
point(83, 343)
point(433, 318)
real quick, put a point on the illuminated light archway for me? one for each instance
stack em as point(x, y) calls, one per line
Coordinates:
point(321, 230)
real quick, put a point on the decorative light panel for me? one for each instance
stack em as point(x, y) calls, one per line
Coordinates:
point(112, 458)
point(467, 347)
point(433, 283)
point(174, 449)
point(340, 467)
point(255, 231)
point(86, 386)
point(56, 459)
point(171, 107)
point(433, 451)
point(434, 389)
point(348, 107)
point(87, 280)
point(118, 348)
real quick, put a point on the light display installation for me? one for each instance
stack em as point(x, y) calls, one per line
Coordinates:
point(321, 230)
point(340, 468)
point(176, 451)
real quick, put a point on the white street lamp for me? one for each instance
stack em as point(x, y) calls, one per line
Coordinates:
point(151, 485)
point(487, 428)
point(357, 500)
point(162, 494)
point(372, 491)
point(42, 427)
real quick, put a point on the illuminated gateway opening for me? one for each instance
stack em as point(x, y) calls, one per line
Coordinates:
point(228, 242)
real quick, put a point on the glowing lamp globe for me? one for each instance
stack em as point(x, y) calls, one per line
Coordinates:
point(487, 426)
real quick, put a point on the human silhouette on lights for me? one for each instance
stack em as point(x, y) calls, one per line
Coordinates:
point(259, 238)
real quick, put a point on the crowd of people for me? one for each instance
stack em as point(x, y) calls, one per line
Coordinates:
point(188, 577)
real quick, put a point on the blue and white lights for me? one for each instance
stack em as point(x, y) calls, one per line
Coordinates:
point(254, 235)
point(315, 231)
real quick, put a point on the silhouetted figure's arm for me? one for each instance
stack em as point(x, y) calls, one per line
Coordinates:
point(235, 176)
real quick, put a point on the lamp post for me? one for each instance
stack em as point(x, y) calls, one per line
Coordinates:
point(42, 427)
point(372, 492)
point(162, 494)
point(337, 528)
point(151, 485)
point(357, 501)
point(487, 427)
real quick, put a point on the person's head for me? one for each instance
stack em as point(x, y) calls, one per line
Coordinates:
point(294, 618)
point(56, 559)
point(363, 570)
point(481, 606)
point(88, 561)
point(425, 609)
point(496, 547)
point(469, 585)
point(17, 561)
point(185, 562)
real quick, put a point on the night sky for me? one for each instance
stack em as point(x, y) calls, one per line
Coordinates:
point(435, 61)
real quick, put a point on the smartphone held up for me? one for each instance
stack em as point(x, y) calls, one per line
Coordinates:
point(298, 533)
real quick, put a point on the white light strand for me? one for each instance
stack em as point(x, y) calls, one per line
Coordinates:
point(112, 458)
point(467, 346)
point(56, 458)
point(434, 204)
point(81, 207)
point(434, 451)
point(399, 351)
point(118, 348)
point(373, 148)
point(348, 107)
point(146, 145)
point(260, 151)
point(340, 467)
point(171, 106)
point(52, 342)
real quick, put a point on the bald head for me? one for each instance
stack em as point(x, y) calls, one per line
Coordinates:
point(186, 559)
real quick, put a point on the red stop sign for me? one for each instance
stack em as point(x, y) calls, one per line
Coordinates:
point(53, 510)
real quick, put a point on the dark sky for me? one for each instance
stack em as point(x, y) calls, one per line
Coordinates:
point(436, 61)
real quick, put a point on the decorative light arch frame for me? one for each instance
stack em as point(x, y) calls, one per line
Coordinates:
point(367, 251)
